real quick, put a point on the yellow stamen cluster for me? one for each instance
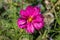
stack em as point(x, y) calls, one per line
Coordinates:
point(30, 19)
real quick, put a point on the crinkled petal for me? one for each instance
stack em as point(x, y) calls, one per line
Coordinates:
point(21, 23)
point(22, 26)
point(36, 11)
point(38, 18)
point(29, 10)
point(30, 28)
point(32, 11)
point(23, 14)
point(38, 26)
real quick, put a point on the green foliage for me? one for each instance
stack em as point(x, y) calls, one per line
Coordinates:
point(53, 1)
point(57, 37)
point(58, 17)
point(1, 4)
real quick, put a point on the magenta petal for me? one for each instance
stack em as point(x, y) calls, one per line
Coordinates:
point(38, 18)
point(23, 14)
point(21, 23)
point(22, 26)
point(36, 11)
point(30, 10)
point(27, 12)
point(38, 26)
point(29, 7)
point(30, 28)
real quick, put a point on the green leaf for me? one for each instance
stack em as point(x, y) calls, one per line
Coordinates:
point(57, 37)
point(53, 1)
point(58, 17)
point(39, 38)
point(42, 8)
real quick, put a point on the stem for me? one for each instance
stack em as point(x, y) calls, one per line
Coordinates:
point(44, 35)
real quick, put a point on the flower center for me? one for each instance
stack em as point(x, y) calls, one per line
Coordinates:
point(29, 19)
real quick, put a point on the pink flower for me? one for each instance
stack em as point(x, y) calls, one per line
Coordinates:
point(31, 19)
